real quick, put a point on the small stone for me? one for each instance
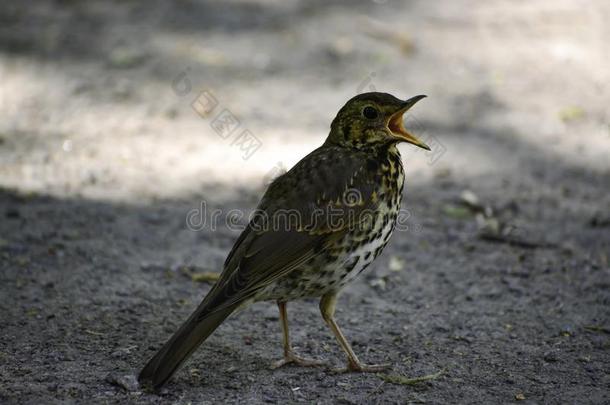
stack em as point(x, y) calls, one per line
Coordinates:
point(566, 330)
point(127, 382)
point(550, 357)
point(470, 199)
point(379, 283)
point(396, 263)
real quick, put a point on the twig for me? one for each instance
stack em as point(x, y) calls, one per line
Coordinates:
point(596, 328)
point(205, 277)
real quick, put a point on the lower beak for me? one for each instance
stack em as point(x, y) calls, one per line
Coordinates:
point(398, 130)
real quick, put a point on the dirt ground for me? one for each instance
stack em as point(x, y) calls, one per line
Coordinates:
point(497, 288)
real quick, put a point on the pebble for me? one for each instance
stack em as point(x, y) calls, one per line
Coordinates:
point(127, 382)
point(550, 357)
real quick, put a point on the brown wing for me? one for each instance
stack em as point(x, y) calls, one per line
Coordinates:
point(302, 212)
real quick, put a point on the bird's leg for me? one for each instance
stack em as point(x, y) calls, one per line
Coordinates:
point(289, 355)
point(327, 307)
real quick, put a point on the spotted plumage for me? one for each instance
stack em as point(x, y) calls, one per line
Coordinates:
point(361, 244)
point(316, 229)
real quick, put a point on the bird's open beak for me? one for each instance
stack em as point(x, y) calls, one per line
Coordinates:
point(398, 130)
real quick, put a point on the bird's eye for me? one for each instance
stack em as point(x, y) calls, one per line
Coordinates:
point(370, 112)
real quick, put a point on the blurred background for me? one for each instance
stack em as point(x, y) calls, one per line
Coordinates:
point(96, 96)
point(121, 117)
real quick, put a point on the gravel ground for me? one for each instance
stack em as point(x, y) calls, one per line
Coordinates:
point(497, 291)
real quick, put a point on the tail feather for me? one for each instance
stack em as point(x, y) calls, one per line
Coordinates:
point(179, 347)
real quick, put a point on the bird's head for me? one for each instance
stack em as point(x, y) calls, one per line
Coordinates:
point(370, 119)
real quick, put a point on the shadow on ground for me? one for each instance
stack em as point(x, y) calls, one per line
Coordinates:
point(93, 288)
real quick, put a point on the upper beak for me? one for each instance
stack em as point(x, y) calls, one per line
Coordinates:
point(397, 129)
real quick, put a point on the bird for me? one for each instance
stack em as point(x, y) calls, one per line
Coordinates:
point(316, 228)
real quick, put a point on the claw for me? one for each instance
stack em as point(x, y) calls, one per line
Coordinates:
point(300, 361)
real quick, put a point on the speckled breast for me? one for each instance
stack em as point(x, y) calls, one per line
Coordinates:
point(349, 256)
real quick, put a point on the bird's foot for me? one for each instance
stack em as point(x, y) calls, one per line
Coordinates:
point(353, 366)
point(292, 358)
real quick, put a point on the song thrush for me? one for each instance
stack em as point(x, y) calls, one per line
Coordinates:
point(316, 228)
